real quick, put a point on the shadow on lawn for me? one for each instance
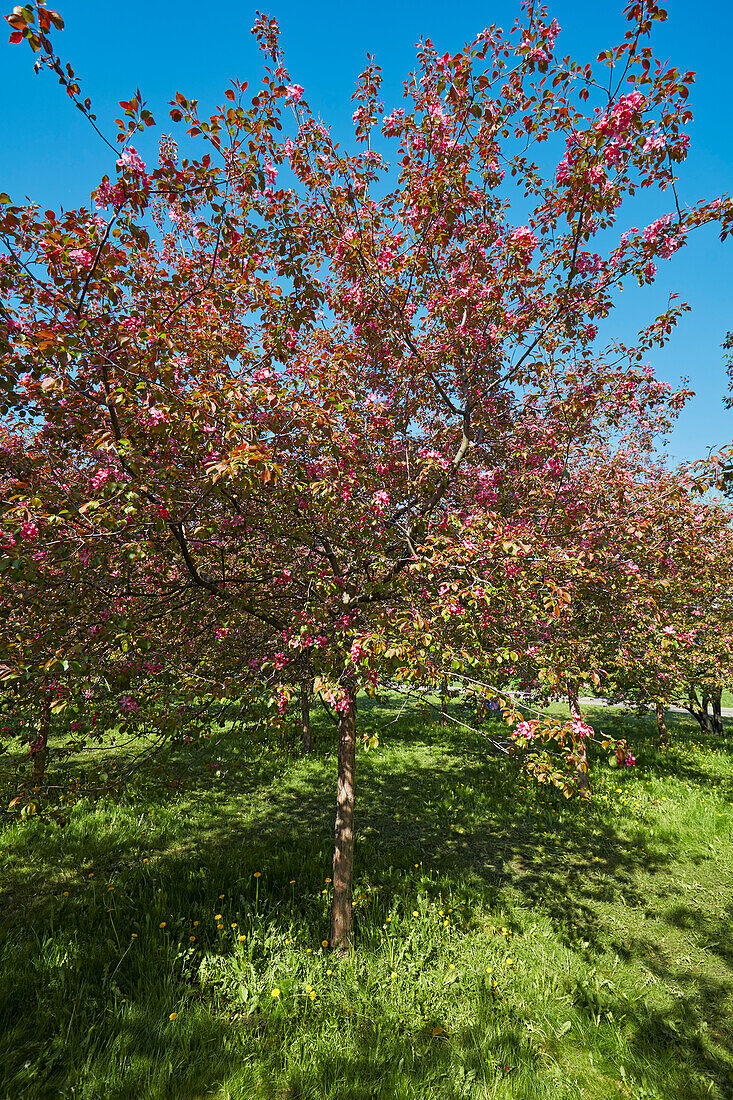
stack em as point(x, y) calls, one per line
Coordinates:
point(56, 1002)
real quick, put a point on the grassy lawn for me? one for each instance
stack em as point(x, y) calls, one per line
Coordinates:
point(509, 943)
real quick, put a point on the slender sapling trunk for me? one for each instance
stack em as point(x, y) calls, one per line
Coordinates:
point(661, 724)
point(306, 695)
point(343, 852)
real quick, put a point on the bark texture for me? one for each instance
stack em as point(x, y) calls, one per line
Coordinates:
point(698, 708)
point(343, 852)
point(306, 696)
point(661, 724)
point(716, 698)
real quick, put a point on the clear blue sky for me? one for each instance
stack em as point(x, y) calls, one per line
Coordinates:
point(50, 154)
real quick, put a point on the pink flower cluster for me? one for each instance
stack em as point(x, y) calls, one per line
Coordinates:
point(294, 92)
point(618, 120)
point(525, 241)
point(529, 730)
point(81, 256)
point(102, 477)
point(29, 530)
point(663, 243)
point(588, 263)
point(108, 195)
point(131, 161)
point(129, 705)
point(391, 122)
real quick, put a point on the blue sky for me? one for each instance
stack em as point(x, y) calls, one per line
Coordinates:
point(51, 154)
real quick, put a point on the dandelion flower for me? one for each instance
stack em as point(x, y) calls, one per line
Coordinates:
point(242, 939)
point(327, 880)
point(195, 923)
point(162, 924)
point(220, 927)
point(275, 992)
point(257, 874)
point(66, 893)
point(221, 896)
point(324, 943)
point(134, 935)
point(234, 924)
point(415, 913)
point(172, 1015)
point(192, 939)
point(312, 995)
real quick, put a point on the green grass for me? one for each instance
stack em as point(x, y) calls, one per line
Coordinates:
point(509, 943)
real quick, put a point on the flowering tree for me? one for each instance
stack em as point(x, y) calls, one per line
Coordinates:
point(282, 400)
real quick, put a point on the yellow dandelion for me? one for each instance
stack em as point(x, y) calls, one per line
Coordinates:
point(324, 943)
point(217, 916)
point(292, 882)
point(234, 924)
point(327, 880)
point(221, 896)
point(66, 893)
point(146, 860)
point(192, 939)
point(172, 1015)
point(242, 939)
point(275, 992)
point(312, 996)
point(415, 913)
point(258, 874)
point(162, 924)
point(91, 874)
point(134, 935)
point(220, 927)
point(195, 923)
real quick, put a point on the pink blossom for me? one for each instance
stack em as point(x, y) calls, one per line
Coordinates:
point(128, 704)
point(102, 477)
point(618, 120)
point(29, 530)
point(294, 92)
point(81, 257)
point(131, 161)
point(107, 194)
point(391, 122)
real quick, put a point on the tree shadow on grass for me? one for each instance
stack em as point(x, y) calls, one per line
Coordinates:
point(70, 970)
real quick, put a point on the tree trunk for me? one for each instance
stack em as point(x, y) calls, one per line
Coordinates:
point(343, 852)
point(699, 711)
point(306, 694)
point(661, 724)
point(443, 700)
point(39, 752)
point(716, 697)
point(581, 753)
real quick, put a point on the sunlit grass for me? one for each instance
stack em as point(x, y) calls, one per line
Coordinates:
point(168, 942)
